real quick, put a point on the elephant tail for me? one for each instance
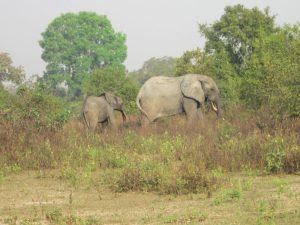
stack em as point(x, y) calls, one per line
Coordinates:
point(86, 122)
point(138, 99)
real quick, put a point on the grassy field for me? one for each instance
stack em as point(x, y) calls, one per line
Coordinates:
point(243, 170)
point(29, 198)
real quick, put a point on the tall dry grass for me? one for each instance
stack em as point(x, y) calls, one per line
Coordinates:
point(169, 155)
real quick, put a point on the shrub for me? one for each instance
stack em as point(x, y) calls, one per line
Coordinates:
point(228, 195)
point(36, 106)
point(292, 157)
point(145, 176)
point(275, 155)
point(111, 157)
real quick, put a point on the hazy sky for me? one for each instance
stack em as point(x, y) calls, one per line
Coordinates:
point(154, 28)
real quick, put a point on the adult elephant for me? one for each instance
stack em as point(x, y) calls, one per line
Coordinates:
point(100, 109)
point(165, 96)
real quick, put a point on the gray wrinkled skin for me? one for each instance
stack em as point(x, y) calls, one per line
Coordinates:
point(100, 109)
point(165, 96)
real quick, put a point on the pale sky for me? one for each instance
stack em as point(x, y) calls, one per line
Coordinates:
point(154, 28)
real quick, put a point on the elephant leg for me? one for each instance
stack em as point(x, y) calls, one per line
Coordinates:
point(111, 119)
point(200, 116)
point(144, 121)
point(92, 120)
point(104, 124)
point(93, 127)
point(200, 113)
point(191, 110)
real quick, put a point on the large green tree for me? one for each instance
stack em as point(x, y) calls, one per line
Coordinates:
point(231, 41)
point(75, 44)
point(255, 60)
point(272, 77)
point(234, 35)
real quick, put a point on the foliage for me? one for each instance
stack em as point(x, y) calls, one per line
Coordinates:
point(37, 107)
point(236, 32)
point(112, 80)
point(254, 60)
point(228, 195)
point(48, 111)
point(194, 61)
point(281, 186)
point(8, 72)
point(272, 78)
point(276, 148)
point(154, 67)
point(266, 213)
point(292, 157)
point(169, 158)
point(5, 100)
point(76, 44)
point(231, 42)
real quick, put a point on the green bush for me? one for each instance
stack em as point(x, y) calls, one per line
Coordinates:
point(33, 108)
point(292, 159)
point(228, 195)
point(35, 105)
point(5, 100)
point(275, 155)
point(112, 157)
point(145, 175)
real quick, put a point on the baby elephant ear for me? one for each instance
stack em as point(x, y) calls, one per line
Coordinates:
point(111, 99)
point(192, 88)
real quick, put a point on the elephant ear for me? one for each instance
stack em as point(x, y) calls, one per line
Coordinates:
point(192, 88)
point(111, 99)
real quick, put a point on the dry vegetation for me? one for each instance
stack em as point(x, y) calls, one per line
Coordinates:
point(167, 173)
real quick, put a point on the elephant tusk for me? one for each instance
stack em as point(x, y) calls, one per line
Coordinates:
point(214, 106)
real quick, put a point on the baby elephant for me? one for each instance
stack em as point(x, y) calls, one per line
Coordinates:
point(100, 109)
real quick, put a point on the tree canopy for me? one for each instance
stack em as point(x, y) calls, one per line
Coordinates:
point(236, 32)
point(75, 44)
point(194, 61)
point(272, 77)
point(254, 60)
point(154, 67)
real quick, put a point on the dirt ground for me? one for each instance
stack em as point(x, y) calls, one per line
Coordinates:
point(29, 198)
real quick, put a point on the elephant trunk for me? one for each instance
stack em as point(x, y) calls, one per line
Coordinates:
point(217, 107)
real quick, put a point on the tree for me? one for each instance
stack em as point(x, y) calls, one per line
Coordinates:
point(164, 66)
point(272, 78)
point(236, 32)
point(74, 45)
point(8, 72)
point(194, 61)
point(232, 40)
point(255, 61)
